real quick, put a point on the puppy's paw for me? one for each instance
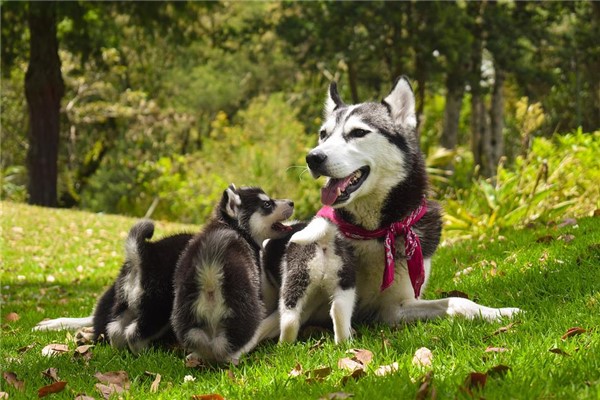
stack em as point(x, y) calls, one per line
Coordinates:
point(314, 231)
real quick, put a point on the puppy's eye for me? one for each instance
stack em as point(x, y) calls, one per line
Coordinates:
point(323, 134)
point(357, 133)
point(267, 204)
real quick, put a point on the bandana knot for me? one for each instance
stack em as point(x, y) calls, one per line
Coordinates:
point(412, 244)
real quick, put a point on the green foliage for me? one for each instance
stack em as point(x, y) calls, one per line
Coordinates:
point(558, 178)
point(264, 146)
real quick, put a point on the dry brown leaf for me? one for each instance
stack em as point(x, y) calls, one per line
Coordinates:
point(51, 373)
point(349, 364)
point(108, 390)
point(498, 370)
point(83, 396)
point(210, 396)
point(155, 383)
point(556, 350)
point(362, 356)
point(296, 371)
point(573, 332)
point(114, 378)
point(26, 348)
point(318, 373)
point(52, 388)
point(545, 239)
point(567, 238)
point(502, 330)
point(11, 379)
point(386, 369)
point(476, 380)
point(491, 349)
point(423, 357)
point(55, 349)
point(12, 317)
point(356, 375)
point(426, 389)
point(336, 395)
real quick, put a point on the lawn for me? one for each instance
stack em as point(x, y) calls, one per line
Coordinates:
point(56, 262)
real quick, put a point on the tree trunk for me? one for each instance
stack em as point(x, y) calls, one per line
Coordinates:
point(455, 90)
point(497, 118)
point(352, 81)
point(44, 89)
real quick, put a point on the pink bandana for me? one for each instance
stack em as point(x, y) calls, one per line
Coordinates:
point(412, 244)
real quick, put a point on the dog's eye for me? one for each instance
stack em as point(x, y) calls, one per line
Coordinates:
point(357, 133)
point(323, 134)
point(267, 204)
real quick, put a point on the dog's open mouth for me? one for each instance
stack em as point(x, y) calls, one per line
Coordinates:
point(338, 190)
point(279, 227)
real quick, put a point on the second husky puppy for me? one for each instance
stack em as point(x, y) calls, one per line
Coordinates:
point(315, 275)
point(218, 303)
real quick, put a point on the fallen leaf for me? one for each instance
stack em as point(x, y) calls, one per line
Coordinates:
point(336, 395)
point(26, 348)
point(86, 336)
point(54, 349)
point(573, 332)
point(356, 375)
point(317, 374)
point(113, 377)
point(556, 350)
point(568, 238)
point(423, 357)
point(12, 317)
point(498, 370)
point(476, 380)
point(108, 390)
point(83, 396)
point(3, 395)
point(426, 388)
point(155, 383)
point(501, 330)
point(83, 349)
point(491, 349)
point(11, 379)
point(349, 364)
point(211, 396)
point(296, 371)
point(362, 356)
point(51, 373)
point(386, 369)
point(567, 222)
point(545, 239)
point(52, 388)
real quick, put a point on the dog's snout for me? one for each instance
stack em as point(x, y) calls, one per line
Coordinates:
point(315, 158)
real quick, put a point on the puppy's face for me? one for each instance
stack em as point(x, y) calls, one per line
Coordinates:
point(257, 213)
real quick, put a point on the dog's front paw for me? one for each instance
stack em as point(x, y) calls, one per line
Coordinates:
point(497, 314)
point(314, 231)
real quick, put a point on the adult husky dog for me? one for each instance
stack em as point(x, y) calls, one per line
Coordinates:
point(377, 184)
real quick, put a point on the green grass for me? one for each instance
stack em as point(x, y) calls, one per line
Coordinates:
point(56, 262)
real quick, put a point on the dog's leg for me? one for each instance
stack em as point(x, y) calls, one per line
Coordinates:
point(59, 324)
point(412, 310)
point(314, 231)
point(341, 313)
point(267, 329)
point(290, 325)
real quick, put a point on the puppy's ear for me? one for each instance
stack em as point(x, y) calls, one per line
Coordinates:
point(401, 103)
point(333, 100)
point(232, 201)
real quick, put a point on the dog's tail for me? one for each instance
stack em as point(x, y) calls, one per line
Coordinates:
point(138, 235)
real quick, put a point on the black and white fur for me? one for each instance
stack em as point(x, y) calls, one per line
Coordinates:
point(218, 303)
point(135, 310)
point(376, 145)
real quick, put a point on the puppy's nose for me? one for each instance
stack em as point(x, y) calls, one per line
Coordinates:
point(315, 158)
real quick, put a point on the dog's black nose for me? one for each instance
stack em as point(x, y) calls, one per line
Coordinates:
point(315, 158)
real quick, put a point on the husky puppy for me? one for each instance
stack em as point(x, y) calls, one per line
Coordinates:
point(315, 275)
point(376, 191)
point(218, 303)
point(135, 310)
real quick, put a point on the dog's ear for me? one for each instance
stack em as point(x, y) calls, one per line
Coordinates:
point(333, 100)
point(231, 201)
point(401, 103)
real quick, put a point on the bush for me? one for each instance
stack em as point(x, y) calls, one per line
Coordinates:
point(556, 179)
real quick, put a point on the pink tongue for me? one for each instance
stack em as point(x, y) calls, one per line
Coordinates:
point(329, 193)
